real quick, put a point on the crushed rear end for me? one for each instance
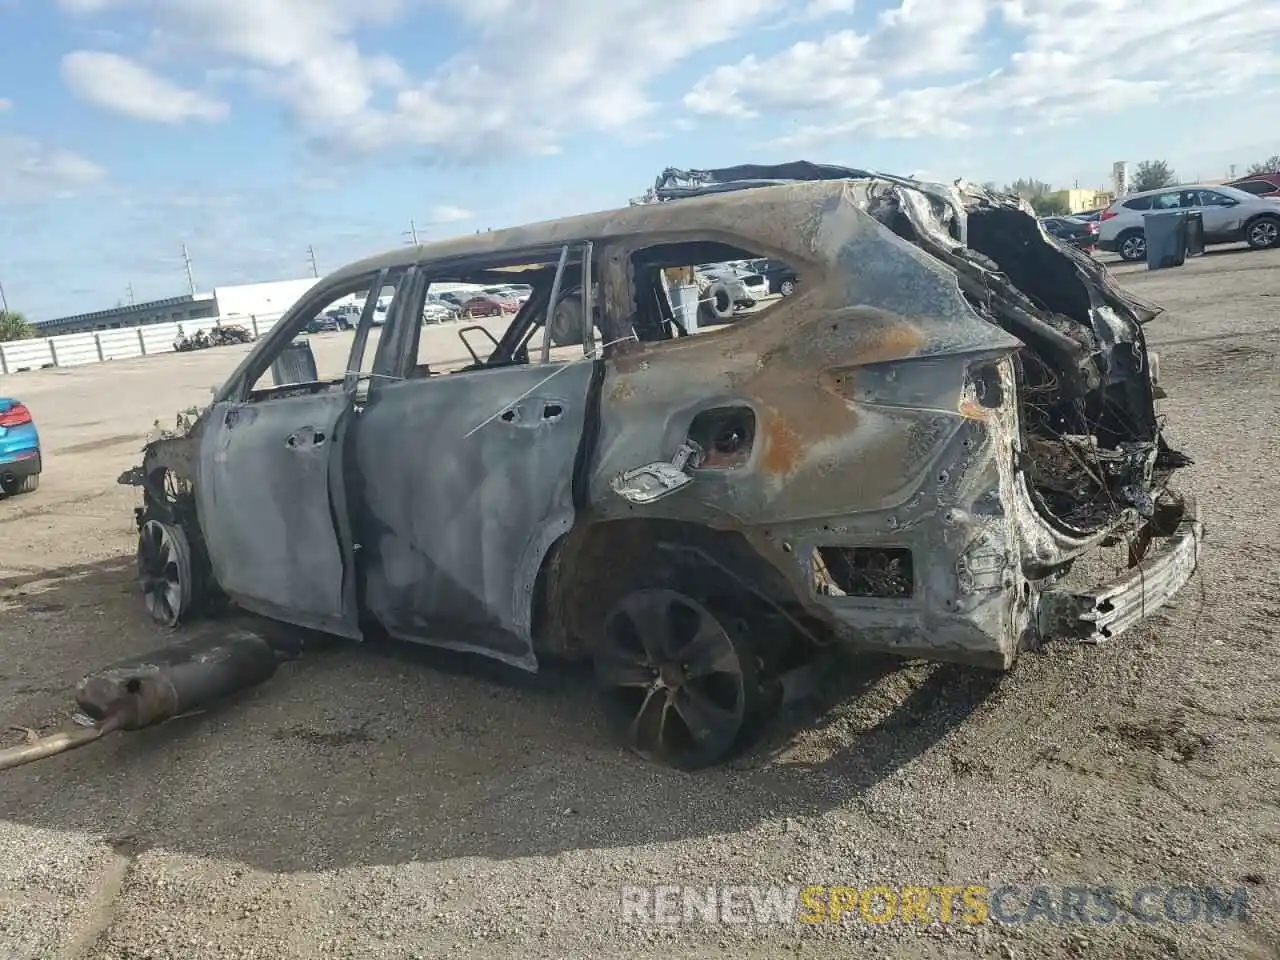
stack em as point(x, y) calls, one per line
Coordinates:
point(1058, 449)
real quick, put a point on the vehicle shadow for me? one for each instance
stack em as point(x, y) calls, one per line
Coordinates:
point(386, 753)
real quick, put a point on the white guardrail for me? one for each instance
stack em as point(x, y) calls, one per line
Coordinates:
point(77, 349)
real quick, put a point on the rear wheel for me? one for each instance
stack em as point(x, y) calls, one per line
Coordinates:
point(1132, 245)
point(678, 680)
point(787, 287)
point(18, 485)
point(1263, 233)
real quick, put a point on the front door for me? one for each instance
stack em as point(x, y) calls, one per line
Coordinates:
point(1221, 215)
point(271, 490)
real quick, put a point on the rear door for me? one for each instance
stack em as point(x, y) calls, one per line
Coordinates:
point(271, 490)
point(465, 481)
point(1221, 213)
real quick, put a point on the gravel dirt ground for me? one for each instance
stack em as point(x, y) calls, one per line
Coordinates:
point(389, 802)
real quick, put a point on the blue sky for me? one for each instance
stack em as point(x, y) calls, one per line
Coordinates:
point(250, 129)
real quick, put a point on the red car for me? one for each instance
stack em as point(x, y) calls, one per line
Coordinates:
point(1260, 184)
point(483, 307)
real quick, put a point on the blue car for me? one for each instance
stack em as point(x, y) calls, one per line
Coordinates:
point(19, 449)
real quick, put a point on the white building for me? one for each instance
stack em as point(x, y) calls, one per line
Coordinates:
point(237, 301)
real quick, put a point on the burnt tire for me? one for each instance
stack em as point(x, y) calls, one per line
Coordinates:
point(1263, 233)
point(718, 302)
point(566, 324)
point(1132, 246)
point(679, 680)
point(27, 484)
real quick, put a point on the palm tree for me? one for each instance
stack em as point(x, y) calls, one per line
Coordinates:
point(14, 326)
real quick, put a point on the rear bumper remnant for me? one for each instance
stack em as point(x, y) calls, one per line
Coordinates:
point(1094, 617)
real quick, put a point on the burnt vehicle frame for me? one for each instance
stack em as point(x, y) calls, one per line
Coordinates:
point(905, 456)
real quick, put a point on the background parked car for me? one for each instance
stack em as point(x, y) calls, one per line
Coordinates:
point(779, 276)
point(1260, 184)
point(438, 310)
point(483, 306)
point(324, 324)
point(1073, 230)
point(1230, 215)
point(20, 461)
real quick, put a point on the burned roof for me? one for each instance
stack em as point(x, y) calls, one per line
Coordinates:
point(729, 212)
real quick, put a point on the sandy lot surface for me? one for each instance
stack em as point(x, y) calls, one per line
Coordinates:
point(400, 803)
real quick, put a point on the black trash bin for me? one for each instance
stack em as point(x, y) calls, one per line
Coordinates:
point(1166, 236)
point(1195, 233)
point(296, 364)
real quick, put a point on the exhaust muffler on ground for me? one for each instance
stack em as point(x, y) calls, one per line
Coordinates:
point(188, 675)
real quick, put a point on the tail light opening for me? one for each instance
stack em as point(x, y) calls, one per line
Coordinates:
point(1107, 215)
point(15, 416)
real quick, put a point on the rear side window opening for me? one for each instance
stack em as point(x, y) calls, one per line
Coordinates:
point(701, 286)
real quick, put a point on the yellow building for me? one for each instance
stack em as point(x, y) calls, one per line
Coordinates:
point(1081, 199)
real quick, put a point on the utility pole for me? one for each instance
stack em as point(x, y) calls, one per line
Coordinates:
point(311, 254)
point(3, 299)
point(131, 299)
point(412, 233)
point(186, 261)
point(1231, 171)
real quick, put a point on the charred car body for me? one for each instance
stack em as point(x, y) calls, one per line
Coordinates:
point(906, 455)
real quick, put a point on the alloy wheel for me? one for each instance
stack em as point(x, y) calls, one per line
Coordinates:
point(1264, 234)
point(1134, 248)
point(164, 571)
point(678, 685)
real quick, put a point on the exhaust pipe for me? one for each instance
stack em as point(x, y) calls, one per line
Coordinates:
point(185, 676)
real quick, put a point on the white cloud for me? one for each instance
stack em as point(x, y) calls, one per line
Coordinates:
point(31, 171)
point(537, 71)
point(448, 214)
point(116, 83)
point(1077, 59)
point(806, 76)
point(819, 9)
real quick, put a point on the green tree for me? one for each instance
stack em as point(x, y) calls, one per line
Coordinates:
point(14, 326)
point(1046, 201)
point(1051, 204)
point(1029, 189)
point(1270, 165)
point(1152, 175)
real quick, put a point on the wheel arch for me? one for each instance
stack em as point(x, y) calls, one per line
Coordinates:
point(1260, 215)
point(587, 571)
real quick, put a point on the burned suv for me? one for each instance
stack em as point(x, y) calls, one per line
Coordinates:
point(906, 455)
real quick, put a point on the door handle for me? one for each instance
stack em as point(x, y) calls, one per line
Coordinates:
point(306, 437)
point(533, 412)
